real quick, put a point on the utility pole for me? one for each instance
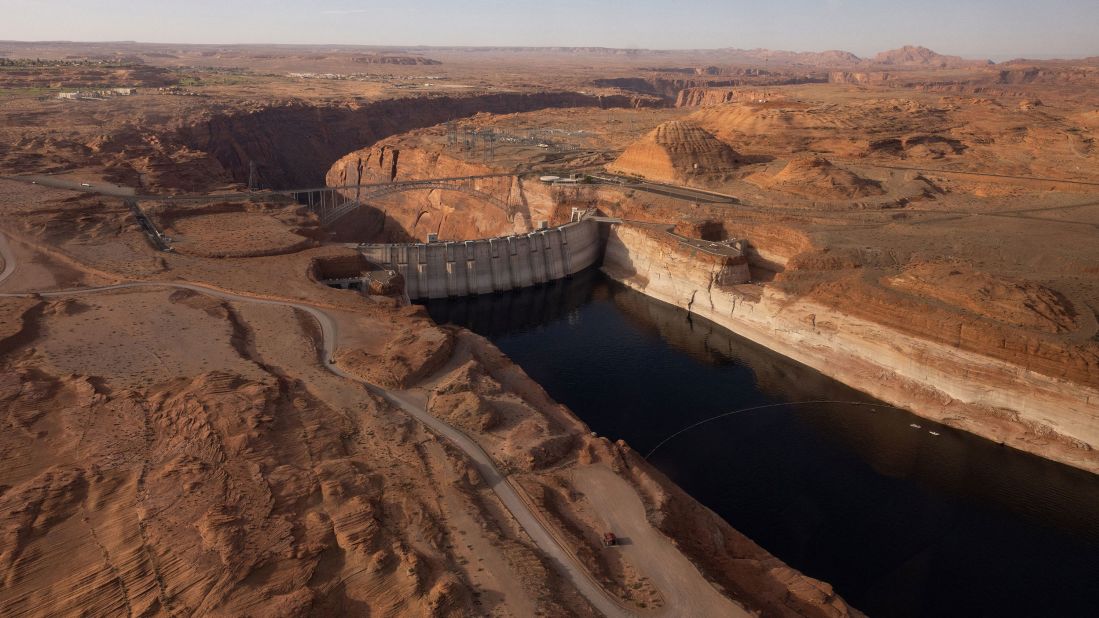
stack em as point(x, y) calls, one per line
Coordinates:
point(359, 182)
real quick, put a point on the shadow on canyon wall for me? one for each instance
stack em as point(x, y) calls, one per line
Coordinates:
point(369, 223)
point(509, 313)
point(293, 145)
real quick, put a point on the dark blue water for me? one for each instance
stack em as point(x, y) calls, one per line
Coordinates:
point(901, 521)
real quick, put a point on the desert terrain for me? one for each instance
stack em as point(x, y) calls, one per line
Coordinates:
point(211, 429)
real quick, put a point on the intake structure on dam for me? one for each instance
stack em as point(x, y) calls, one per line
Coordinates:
point(442, 269)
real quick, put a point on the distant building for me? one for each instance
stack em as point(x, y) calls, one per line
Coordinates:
point(97, 94)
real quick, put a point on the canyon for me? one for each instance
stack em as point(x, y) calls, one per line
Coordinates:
point(212, 429)
point(1019, 367)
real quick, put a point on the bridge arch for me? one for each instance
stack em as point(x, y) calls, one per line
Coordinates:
point(488, 197)
point(366, 194)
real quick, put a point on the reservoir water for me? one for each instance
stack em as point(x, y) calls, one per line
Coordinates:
point(904, 517)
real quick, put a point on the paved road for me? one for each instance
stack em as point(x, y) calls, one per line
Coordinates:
point(56, 182)
point(503, 488)
point(675, 191)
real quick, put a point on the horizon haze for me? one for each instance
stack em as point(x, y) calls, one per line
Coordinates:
point(977, 29)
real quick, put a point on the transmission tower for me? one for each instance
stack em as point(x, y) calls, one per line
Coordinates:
point(451, 134)
point(490, 145)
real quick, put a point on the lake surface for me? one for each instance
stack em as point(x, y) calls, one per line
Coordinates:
point(903, 516)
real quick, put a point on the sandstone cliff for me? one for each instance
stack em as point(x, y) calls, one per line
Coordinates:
point(452, 214)
point(860, 78)
point(704, 97)
point(1029, 392)
point(665, 87)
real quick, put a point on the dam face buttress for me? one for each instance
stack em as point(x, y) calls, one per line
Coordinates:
point(442, 269)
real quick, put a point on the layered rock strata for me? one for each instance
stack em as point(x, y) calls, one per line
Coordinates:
point(1007, 402)
point(677, 152)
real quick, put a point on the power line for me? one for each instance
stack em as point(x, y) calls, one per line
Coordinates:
point(770, 405)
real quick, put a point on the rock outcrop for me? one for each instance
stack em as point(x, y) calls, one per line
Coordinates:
point(704, 97)
point(410, 355)
point(699, 269)
point(1016, 302)
point(665, 87)
point(677, 152)
point(860, 78)
point(515, 420)
point(816, 177)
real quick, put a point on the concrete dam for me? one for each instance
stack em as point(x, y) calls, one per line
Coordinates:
point(484, 266)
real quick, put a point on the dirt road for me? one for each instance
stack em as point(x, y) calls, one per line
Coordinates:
point(8, 256)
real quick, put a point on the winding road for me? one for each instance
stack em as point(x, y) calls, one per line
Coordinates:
point(567, 563)
point(8, 257)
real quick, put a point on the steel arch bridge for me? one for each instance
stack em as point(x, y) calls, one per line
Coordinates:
point(332, 204)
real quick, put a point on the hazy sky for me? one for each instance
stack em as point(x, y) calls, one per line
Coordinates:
point(984, 28)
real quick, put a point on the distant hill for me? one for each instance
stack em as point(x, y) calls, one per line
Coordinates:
point(395, 59)
point(830, 58)
point(913, 55)
point(907, 56)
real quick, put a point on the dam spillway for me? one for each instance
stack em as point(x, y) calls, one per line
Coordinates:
point(484, 266)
